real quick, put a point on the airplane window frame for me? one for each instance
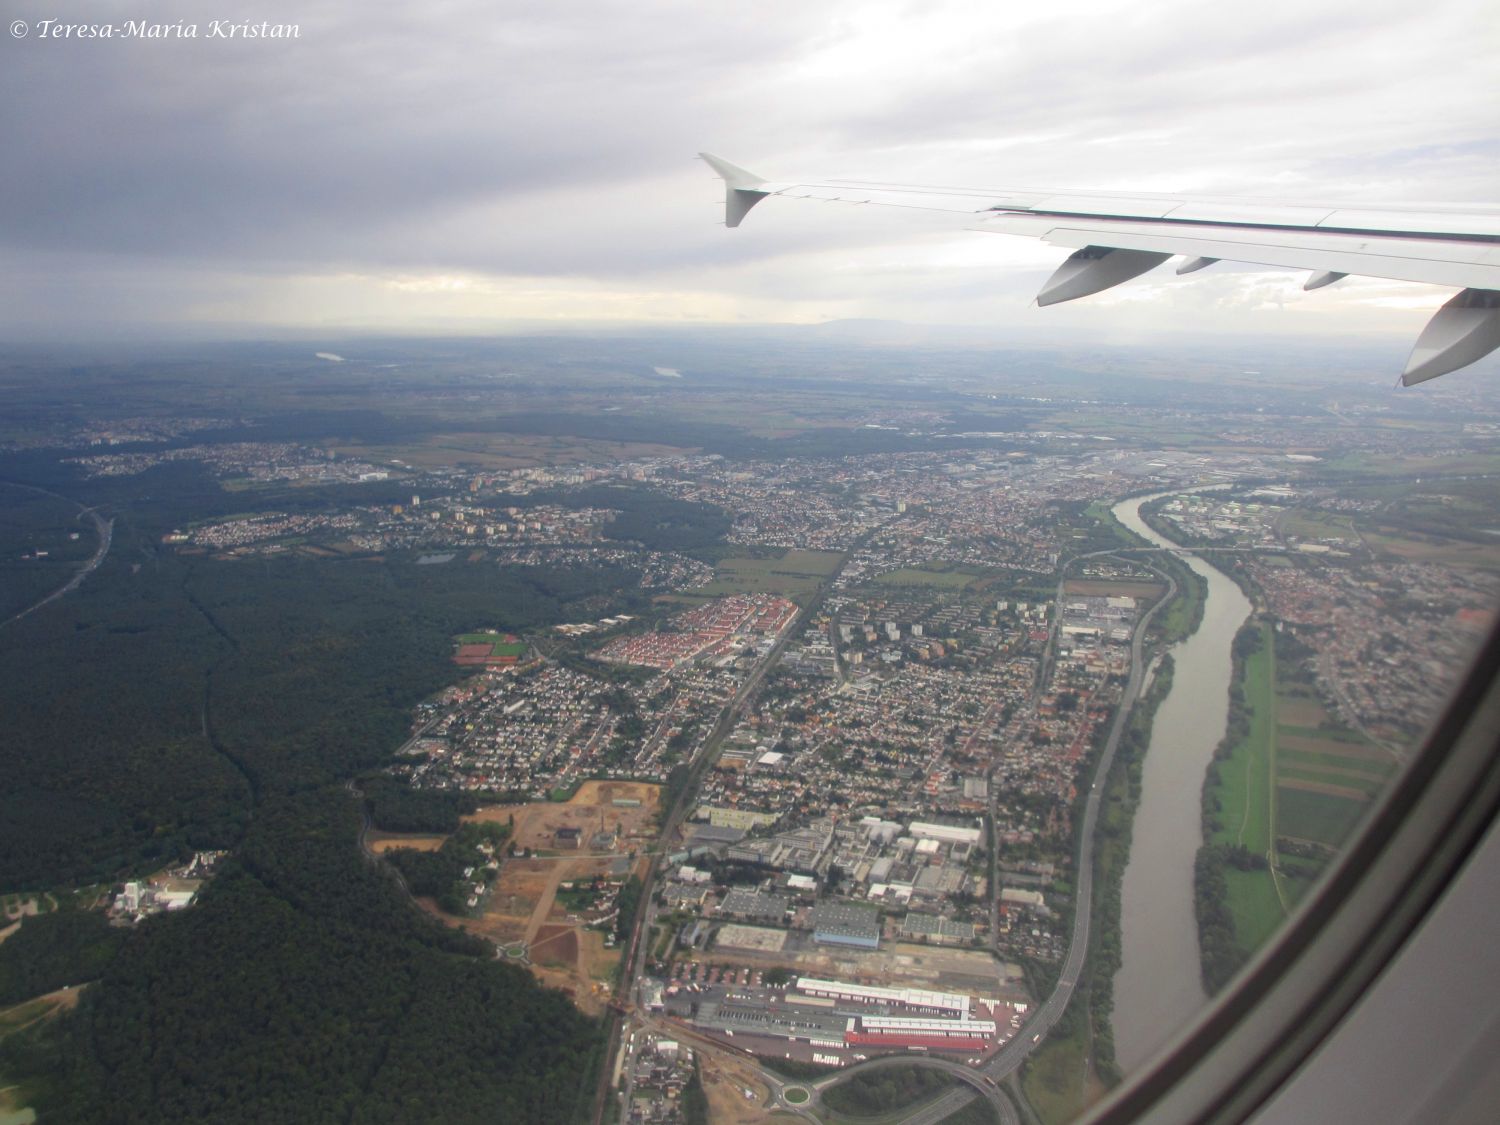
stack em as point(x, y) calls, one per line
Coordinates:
point(1291, 997)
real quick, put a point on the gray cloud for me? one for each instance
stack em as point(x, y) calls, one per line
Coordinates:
point(547, 141)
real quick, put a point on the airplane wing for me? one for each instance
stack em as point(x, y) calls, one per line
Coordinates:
point(1115, 236)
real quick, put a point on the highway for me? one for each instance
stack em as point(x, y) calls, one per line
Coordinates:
point(934, 1111)
point(105, 529)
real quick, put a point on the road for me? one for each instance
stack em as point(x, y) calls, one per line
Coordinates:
point(1009, 1058)
point(105, 529)
point(634, 959)
point(932, 1112)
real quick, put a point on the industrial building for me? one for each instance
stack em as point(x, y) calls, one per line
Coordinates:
point(942, 1035)
point(754, 906)
point(834, 1015)
point(931, 927)
point(917, 1000)
point(948, 833)
point(846, 923)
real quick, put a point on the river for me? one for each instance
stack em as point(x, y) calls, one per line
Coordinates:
point(1158, 988)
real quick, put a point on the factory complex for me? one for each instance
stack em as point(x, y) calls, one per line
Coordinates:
point(836, 1022)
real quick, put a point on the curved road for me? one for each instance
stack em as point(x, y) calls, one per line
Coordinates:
point(933, 1111)
point(105, 530)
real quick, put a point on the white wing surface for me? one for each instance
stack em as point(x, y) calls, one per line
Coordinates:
point(1115, 236)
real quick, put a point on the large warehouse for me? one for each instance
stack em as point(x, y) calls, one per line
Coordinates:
point(918, 1000)
point(942, 1035)
point(947, 833)
point(846, 923)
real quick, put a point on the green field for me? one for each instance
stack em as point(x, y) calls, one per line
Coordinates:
point(1247, 802)
point(1245, 776)
point(1319, 525)
point(1307, 780)
point(1320, 817)
point(922, 576)
point(794, 574)
point(1058, 1080)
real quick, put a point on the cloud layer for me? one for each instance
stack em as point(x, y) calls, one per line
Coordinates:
point(485, 162)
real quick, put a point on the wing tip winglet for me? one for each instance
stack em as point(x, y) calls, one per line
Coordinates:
point(742, 189)
point(1464, 330)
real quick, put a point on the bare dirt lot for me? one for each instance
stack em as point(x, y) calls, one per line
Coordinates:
point(382, 842)
point(591, 810)
point(726, 1082)
point(523, 906)
point(555, 947)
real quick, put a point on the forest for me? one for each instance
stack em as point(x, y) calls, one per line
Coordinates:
point(440, 874)
point(302, 987)
point(171, 694)
point(397, 807)
point(173, 704)
point(52, 951)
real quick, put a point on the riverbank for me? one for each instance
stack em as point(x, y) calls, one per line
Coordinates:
point(1073, 1070)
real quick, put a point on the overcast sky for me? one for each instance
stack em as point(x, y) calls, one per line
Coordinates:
point(460, 164)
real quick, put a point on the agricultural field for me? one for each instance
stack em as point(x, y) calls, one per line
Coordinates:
point(1292, 790)
point(1433, 549)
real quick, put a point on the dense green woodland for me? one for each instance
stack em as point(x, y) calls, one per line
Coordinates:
point(397, 807)
point(50, 951)
point(302, 987)
point(149, 709)
point(174, 703)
